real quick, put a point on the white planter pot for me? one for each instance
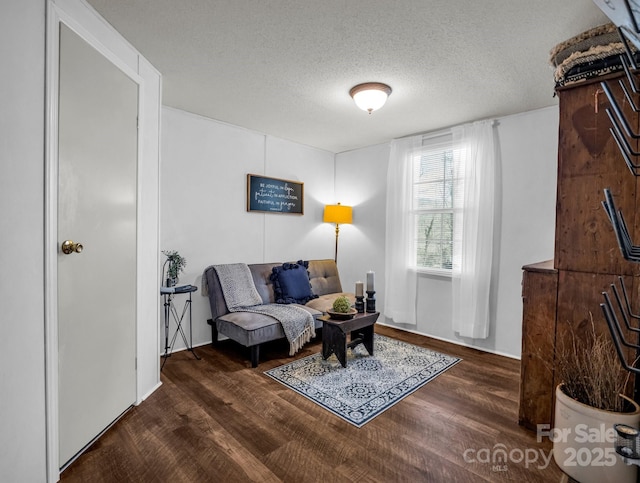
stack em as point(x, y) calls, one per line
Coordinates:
point(584, 439)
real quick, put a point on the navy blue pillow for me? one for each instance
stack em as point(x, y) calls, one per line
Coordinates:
point(291, 283)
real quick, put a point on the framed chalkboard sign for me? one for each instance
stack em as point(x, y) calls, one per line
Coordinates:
point(274, 195)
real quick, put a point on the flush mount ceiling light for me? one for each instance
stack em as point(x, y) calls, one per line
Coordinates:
point(370, 96)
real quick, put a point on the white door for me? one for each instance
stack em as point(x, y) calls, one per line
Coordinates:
point(97, 192)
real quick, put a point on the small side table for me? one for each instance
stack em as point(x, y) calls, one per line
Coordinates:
point(169, 308)
point(334, 334)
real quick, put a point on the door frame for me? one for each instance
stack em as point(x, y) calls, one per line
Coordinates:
point(75, 15)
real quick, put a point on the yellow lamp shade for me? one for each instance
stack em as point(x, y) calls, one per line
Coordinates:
point(338, 214)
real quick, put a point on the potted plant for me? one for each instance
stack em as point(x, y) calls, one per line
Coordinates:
point(589, 401)
point(341, 309)
point(175, 265)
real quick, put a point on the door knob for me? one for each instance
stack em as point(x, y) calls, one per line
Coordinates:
point(68, 247)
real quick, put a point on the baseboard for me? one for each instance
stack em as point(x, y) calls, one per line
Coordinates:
point(151, 391)
point(456, 342)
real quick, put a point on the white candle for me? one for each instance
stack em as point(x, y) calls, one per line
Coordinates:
point(359, 289)
point(370, 276)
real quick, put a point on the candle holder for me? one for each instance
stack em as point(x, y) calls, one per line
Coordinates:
point(627, 443)
point(371, 300)
point(360, 303)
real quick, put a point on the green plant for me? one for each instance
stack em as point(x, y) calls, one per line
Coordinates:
point(588, 367)
point(341, 305)
point(176, 264)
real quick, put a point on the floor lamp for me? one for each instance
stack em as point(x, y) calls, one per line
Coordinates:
point(337, 214)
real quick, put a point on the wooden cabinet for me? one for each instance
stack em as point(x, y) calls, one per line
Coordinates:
point(562, 297)
point(539, 297)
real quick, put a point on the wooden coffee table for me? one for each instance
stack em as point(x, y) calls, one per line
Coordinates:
point(334, 334)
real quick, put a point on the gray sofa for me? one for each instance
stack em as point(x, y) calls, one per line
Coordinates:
point(251, 329)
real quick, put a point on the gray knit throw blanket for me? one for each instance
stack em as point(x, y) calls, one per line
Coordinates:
point(241, 295)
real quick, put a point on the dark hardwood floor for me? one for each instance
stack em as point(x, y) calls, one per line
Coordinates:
point(219, 420)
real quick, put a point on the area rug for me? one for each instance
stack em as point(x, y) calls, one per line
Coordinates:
point(368, 385)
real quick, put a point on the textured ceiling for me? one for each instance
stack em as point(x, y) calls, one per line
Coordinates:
point(285, 67)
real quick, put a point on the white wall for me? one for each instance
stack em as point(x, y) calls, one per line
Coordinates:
point(361, 182)
point(203, 201)
point(22, 377)
point(526, 232)
point(203, 207)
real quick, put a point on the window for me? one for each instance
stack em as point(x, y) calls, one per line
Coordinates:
point(440, 219)
point(433, 193)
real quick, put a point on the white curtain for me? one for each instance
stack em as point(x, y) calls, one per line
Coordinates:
point(475, 160)
point(400, 273)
